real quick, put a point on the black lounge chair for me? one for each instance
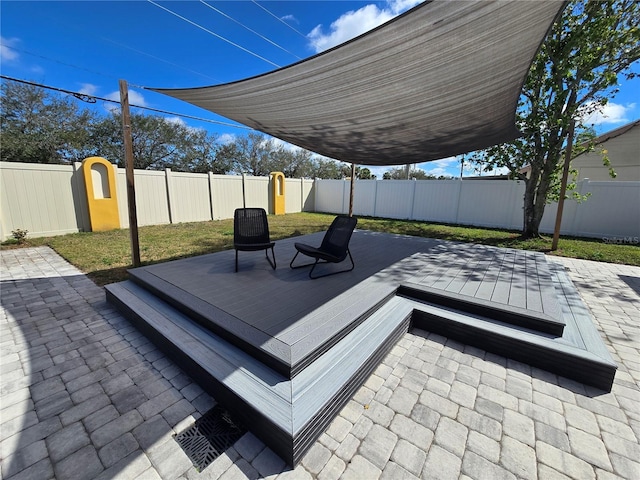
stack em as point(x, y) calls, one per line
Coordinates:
point(334, 247)
point(251, 233)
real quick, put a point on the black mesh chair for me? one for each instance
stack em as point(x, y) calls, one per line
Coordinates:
point(251, 233)
point(334, 247)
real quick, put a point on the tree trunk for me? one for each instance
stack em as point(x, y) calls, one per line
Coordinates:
point(535, 194)
point(531, 221)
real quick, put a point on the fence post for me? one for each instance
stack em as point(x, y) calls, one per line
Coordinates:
point(459, 185)
point(413, 199)
point(375, 197)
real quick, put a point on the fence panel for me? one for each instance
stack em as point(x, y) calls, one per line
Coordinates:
point(437, 200)
point(188, 196)
point(394, 199)
point(364, 198)
point(152, 201)
point(308, 196)
point(226, 195)
point(293, 188)
point(38, 198)
point(612, 212)
point(491, 203)
point(330, 195)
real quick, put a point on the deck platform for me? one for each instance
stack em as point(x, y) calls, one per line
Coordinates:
point(286, 352)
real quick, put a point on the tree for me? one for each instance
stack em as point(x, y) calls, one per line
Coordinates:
point(251, 154)
point(328, 169)
point(158, 143)
point(400, 173)
point(201, 155)
point(39, 127)
point(293, 163)
point(575, 73)
point(361, 173)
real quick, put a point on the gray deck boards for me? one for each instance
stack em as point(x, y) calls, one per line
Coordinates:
point(287, 352)
point(289, 316)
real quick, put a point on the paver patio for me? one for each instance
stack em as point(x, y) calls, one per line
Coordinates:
point(85, 395)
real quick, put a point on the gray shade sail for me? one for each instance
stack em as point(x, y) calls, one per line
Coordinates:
point(440, 80)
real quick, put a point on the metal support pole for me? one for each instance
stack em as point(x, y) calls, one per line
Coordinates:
point(353, 179)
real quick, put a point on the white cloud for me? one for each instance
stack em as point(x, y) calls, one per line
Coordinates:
point(227, 138)
point(6, 52)
point(447, 166)
point(175, 121)
point(286, 145)
point(88, 89)
point(399, 6)
point(354, 23)
point(610, 113)
point(135, 98)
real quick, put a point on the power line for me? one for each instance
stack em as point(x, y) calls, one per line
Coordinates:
point(279, 19)
point(252, 31)
point(140, 52)
point(92, 99)
point(159, 59)
point(213, 33)
point(21, 50)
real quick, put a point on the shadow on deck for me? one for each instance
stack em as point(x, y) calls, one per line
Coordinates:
point(285, 352)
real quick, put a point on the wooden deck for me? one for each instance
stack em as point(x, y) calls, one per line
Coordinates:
point(287, 352)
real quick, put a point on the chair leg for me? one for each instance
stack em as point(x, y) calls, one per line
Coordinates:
point(266, 252)
point(353, 265)
point(303, 265)
point(236, 261)
point(317, 261)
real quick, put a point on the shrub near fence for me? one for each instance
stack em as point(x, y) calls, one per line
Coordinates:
point(612, 212)
point(50, 200)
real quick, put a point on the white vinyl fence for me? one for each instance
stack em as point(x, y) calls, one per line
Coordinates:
point(611, 213)
point(51, 200)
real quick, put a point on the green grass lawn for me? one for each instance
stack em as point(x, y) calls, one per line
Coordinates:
point(105, 256)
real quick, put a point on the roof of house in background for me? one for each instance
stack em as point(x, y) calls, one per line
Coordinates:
point(440, 80)
point(616, 133)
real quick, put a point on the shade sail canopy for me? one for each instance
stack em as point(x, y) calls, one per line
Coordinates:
point(440, 80)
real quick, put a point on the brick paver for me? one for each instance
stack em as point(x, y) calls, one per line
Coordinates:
point(84, 395)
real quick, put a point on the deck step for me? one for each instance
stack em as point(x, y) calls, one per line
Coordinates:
point(510, 314)
point(287, 414)
point(585, 362)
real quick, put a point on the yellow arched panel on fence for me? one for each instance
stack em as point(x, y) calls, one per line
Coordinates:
point(277, 192)
point(102, 198)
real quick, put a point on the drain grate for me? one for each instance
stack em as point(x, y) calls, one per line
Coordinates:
point(209, 436)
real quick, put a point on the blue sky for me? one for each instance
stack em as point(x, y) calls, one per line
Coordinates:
point(87, 46)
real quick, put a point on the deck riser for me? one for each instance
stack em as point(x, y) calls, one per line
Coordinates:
point(590, 372)
point(278, 440)
point(184, 306)
point(290, 446)
point(318, 424)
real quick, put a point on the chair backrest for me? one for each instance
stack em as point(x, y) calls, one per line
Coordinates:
point(250, 226)
point(336, 240)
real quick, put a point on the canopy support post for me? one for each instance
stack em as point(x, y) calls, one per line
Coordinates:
point(128, 161)
point(563, 185)
point(353, 178)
